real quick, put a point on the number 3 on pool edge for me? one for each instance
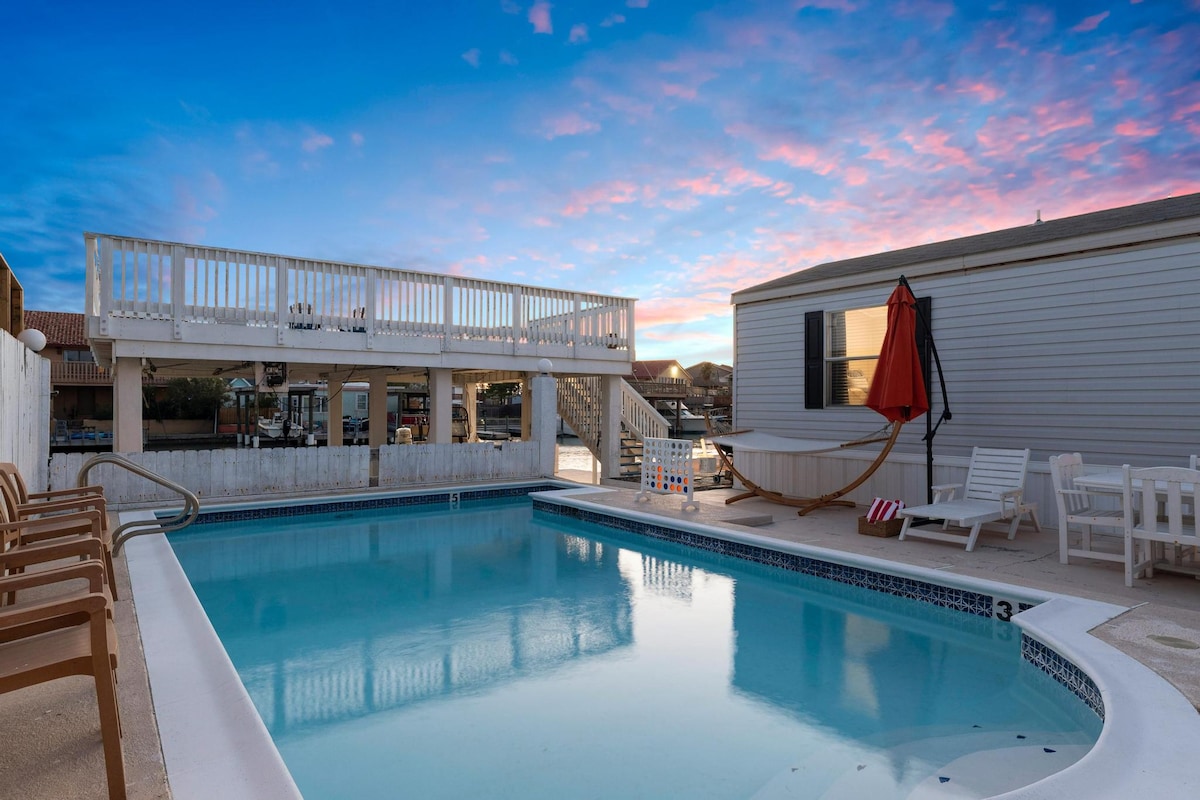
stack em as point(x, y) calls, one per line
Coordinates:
point(1004, 610)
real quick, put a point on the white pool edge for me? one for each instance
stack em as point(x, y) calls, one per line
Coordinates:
point(214, 742)
point(216, 745)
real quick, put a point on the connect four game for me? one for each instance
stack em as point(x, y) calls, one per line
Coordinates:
point(667, 469)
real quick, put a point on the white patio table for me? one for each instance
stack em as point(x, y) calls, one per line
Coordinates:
point(1114, 483)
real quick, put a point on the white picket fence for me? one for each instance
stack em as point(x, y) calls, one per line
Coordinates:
point(283, 471)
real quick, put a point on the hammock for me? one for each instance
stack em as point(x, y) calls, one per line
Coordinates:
point(767, 443)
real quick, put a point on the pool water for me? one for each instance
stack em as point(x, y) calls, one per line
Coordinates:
point(491, 652)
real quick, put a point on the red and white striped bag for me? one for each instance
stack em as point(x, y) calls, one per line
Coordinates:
point(883, 510)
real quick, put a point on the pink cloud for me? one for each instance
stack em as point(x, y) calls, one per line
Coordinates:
point(472, 57)
point(1185, 111)
point(801, 156)
point(507, 58)
point(539, 17)
point(1132, 127)
point(600, 197)
point(1005, 138)
point(316, 141)
point(578, 35)
point(1090, 23)
point(1081, 152)
point(935, 143)
point(638, 3)
point(740, 176)
point(675, 90)
point(985, 92)
point(856, 176)
point(356, 139)
point(1060, 116)
point(702, 186)
point(570, 124)
point(614, 19)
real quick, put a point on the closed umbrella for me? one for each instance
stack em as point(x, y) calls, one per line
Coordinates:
point(898, 387)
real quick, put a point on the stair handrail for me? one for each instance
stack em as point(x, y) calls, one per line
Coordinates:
point(640, 416)
point(126, 531)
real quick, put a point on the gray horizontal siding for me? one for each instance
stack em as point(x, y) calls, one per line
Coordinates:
point(1098, 353)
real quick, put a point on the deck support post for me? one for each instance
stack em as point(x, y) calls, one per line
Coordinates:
point(441, 397)
point(127, 405)
point(543, 406)
point(377, 411)
point(610, 426)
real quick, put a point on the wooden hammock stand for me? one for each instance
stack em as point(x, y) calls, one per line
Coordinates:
point(806, 504)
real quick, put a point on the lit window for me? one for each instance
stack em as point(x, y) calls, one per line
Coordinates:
point(852, 342)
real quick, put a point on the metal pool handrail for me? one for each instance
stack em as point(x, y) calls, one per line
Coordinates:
point(125, 532)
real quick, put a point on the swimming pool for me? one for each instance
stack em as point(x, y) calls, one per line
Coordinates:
point(209, 729)
point(489, 651)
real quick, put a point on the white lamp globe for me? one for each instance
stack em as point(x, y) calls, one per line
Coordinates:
point(32, 338)
point(545, 365)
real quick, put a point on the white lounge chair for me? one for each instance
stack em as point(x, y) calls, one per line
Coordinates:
point(1088, 509)
point(993, 492)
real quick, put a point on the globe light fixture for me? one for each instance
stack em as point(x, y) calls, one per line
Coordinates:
point(32, 338)
point(545, 365)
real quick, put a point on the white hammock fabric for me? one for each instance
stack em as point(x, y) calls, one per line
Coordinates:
point(756, 442)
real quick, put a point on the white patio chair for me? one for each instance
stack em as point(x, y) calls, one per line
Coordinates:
point(993, 492)
point(1167, 491)
point(1087, 509)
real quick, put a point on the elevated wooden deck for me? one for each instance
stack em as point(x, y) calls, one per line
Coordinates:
point(186, 308)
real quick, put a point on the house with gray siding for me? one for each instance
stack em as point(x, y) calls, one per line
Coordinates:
point(1076, 334)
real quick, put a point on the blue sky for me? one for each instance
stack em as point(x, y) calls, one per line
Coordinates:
point(669, 150)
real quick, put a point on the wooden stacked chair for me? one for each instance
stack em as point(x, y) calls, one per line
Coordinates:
point(64, 626)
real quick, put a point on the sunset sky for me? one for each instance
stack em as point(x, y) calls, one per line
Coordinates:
point(669, 150)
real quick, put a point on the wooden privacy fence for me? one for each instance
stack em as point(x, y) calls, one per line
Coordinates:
point(237, 473)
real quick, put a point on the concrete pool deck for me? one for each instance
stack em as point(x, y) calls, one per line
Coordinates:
point(52, 731)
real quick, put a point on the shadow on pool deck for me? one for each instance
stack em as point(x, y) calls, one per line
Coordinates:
point(52, 747)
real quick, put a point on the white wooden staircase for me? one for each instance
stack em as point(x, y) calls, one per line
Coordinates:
point(580, 404)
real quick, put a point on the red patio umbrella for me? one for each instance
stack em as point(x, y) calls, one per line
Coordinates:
point(898, 387)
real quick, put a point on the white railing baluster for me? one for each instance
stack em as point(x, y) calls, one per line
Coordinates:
point(187, 283)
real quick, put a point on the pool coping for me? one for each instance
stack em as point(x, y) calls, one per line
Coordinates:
point(215, 743)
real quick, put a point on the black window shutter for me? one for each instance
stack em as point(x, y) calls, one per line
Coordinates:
point(924, 339)
point(814, 359)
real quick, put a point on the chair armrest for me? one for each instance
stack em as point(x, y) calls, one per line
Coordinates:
point(44, 552)
point(1011, 496)
point(90, 571)
point(50, 507)
point(88, 490)
point(947, 489)
point(33, 530)
point(63, 608)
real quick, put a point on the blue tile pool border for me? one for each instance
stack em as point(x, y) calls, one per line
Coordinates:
point(1045, 658)
point(1063, 670)
point(945, 596)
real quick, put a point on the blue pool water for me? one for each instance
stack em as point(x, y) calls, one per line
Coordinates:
point(494, 652)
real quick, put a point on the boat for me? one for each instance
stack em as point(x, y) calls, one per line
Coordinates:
point(681, 418)
point(278, 427)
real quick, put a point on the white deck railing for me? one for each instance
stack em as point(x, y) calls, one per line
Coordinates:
point(147, 279)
